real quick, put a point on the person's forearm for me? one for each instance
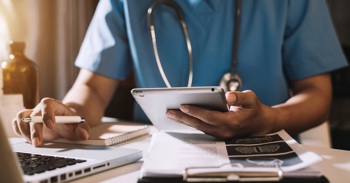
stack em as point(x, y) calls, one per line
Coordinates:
point(308, 107)
point(90, 95)
point(86, 103)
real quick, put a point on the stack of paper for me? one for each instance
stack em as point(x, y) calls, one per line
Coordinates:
point(179, 154)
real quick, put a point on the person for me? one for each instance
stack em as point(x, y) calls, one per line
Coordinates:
point(286, 52)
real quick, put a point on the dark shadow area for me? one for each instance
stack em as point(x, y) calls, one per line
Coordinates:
point(340, 109)
point(121, 105)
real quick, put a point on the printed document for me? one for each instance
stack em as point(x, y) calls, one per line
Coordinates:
point(170, 153)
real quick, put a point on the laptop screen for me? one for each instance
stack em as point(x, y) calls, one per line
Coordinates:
point(9, 169)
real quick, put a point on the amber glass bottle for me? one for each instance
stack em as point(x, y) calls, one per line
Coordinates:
point(21, 75)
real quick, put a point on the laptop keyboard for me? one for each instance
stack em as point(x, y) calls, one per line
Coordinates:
point(33, 163)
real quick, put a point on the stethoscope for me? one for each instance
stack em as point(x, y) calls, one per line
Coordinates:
point(230, 81)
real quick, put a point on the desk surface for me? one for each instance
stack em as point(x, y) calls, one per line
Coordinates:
point(335, 166)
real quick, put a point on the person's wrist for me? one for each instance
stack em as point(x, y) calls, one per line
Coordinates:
point(271, 120)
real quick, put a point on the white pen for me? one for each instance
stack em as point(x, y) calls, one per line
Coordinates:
point(59, 119)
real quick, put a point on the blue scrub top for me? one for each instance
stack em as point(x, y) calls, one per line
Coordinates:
point(280, 41)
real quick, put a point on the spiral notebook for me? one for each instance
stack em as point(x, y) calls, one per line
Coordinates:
point(111, 133)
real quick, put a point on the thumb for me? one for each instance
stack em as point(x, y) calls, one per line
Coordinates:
point(244, 98)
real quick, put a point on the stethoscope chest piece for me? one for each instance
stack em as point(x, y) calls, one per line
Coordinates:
point(231, 82)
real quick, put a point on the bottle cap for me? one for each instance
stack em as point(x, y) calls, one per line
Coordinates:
point(17, 46)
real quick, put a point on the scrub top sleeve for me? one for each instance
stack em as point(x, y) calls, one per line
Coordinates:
point(105, 48)
point(310, 45)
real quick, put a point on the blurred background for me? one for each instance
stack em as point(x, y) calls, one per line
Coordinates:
point(53, 31)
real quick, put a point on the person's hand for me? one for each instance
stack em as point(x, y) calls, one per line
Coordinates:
point(247, 116)
point(49, 130)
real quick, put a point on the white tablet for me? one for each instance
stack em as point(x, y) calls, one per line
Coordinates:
point(155, 102)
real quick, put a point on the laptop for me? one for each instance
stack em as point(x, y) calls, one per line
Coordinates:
point(57, 162)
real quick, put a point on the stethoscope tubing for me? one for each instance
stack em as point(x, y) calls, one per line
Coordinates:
point(154, 39)
point(231, 79)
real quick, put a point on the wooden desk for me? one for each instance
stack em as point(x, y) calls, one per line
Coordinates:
point(335, 166)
